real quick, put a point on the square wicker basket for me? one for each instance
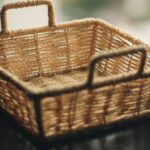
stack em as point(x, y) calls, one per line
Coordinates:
point(69, 77)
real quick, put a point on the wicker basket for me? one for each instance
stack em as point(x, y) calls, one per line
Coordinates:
point(65, 78)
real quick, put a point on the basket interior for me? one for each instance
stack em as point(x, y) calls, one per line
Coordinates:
point(60, 80)
point(60, 57)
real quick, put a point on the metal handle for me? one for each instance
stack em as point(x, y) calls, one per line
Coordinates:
point(117, 53)
point(6, 7)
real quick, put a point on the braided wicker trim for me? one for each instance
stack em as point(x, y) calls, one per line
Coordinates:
point(74, 23)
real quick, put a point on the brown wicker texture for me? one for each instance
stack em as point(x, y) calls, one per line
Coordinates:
point(73, 76)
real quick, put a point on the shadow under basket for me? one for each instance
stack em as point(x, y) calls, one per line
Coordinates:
point(64, 78)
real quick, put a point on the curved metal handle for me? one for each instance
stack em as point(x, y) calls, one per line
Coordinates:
point(117, 53)
point(6, 7)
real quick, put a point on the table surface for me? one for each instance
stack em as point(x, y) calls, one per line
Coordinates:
point(131, 137)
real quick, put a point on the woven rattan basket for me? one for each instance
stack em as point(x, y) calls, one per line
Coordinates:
point(66, 78)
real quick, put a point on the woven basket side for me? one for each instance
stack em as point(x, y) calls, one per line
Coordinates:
point(47, 53)
point(109, 38)
point(19, 55)
point(123, 65)
point(102, 106)
point(16, 103)
point(67, 48)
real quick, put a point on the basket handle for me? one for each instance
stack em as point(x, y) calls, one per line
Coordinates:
point(4, 24)
point(113, 54)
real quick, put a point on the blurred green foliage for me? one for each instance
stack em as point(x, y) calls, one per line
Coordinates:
point(81, 8)
point(0, 3)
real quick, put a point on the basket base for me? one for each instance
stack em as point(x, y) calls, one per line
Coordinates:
point(59, 80)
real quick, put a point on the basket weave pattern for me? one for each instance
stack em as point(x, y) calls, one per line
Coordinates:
point(64, 78)
point(102, 106)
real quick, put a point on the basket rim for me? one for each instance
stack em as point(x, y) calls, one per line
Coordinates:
point(73, 23)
